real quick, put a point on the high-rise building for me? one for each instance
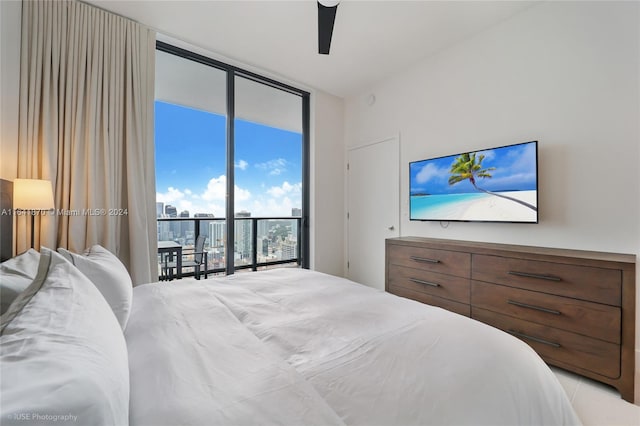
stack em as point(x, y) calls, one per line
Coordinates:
point(164, 231)
point(263, 227)
point(174, 227)
point(289, 249)
point(294, 230)
point(159, 209)
point(295, 212)
point(170, 211)
point(217, 243)
point(243, 235)
point(216, 233)
point(185, 227)
point(265, 247)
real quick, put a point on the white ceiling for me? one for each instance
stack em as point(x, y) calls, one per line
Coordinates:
point(371, 39)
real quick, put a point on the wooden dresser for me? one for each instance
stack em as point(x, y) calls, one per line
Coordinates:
point(575, 308)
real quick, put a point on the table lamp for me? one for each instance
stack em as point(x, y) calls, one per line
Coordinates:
point(32, 195)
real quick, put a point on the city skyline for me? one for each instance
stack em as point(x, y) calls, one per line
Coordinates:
point(275, 239)
point(170, 211)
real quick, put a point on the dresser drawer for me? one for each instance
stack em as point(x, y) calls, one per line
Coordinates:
point(441, 285)
point(558, 345)
point(442, 261)
point(580, 282)
point(428, 299)
point(587, 318)
point(576, 308)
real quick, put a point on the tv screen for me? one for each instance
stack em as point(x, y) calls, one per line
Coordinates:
point(491, 185)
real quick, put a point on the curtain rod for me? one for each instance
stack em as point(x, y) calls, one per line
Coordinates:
point(115, 14)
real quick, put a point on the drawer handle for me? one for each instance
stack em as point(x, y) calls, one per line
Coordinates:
point(539, 276)
point(424, 259)
point(535, 339)
point(417, 281)
point(537, 308)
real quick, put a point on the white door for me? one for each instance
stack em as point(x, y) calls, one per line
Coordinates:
point(373, 205)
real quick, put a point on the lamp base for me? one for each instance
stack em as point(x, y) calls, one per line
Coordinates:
point(33, 227)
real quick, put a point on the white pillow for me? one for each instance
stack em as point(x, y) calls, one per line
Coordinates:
point(63, 357)
point(15, 276)
point(109, 275)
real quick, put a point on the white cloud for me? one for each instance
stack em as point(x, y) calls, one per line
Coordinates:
point(430, 171)
point(522, 160)
point(488, 154)
point(274, 167)
point(211, 200)
point(270, 207)
point(286, 188)
point(242, 165)
point(274, 201)
point(241, 194)
point(171, 196)
point(277, 201)
point(186, 200)
point(216, 189)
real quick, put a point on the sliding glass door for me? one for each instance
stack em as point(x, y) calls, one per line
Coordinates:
point(230, 143)
point(268, 173)
point(191, 166)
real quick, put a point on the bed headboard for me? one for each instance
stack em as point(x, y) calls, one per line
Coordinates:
point(6, 219)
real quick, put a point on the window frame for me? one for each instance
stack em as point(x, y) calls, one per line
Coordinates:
point(231, 73)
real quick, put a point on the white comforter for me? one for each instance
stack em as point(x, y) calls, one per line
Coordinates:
point(296, 347)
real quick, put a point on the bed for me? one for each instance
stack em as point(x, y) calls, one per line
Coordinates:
point(286, 346)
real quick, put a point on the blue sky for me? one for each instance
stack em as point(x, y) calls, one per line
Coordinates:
point(515, 170)
point(191, 163)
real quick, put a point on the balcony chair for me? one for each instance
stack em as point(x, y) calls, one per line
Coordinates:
point(191, 258)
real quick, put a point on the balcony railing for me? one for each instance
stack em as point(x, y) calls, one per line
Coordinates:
point(258, 242)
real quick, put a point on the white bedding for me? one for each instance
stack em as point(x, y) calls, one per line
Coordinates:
point(296, 347)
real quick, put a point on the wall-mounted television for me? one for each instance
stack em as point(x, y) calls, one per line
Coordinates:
point(490, 185)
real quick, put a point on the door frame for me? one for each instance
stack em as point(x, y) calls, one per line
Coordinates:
point(348, 150)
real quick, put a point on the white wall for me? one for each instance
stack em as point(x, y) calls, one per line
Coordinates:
point(327, 180)
point(10, 18)
point(566, 74)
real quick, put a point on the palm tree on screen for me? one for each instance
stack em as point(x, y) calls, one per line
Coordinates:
point(469, 166)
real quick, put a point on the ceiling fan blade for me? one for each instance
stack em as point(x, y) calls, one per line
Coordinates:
point(326, 19)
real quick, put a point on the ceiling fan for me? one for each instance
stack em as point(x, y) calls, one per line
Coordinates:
point(326, 17)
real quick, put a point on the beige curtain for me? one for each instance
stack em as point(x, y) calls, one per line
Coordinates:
point(86, 124)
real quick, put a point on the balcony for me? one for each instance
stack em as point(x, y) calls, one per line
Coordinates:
point(259, 243)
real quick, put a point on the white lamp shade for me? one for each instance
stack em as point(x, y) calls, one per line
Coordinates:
point(32, 194)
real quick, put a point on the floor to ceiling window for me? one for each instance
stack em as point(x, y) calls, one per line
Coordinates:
point(230, 143)
point(191, 165)
point(268, 172)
